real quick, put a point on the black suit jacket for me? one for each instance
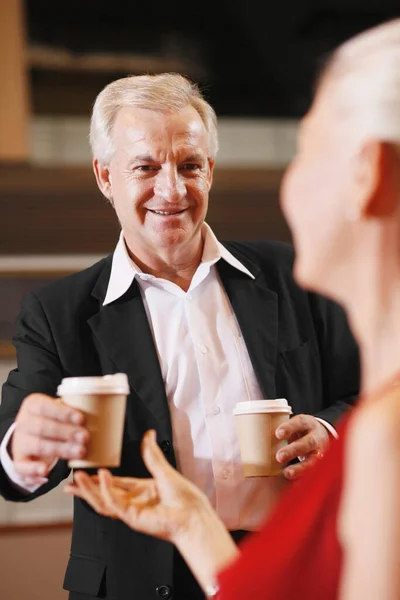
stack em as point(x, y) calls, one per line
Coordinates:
point(299, 344)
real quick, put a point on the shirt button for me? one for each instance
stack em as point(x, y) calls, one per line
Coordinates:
point(203, 349)
point(164, 591)
point(225, 473)
point(216, 410)
point(166, 447)
point(188, 297)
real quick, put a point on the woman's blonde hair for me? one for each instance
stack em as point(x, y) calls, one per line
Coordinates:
point(166, 92)
point(365, 77)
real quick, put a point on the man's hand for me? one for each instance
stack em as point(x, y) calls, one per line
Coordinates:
point(46, 430)
point(307, 438)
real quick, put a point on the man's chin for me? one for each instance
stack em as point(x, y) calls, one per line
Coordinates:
point(167, 236)
point(171, 239)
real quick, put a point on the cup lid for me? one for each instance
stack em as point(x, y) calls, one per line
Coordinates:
point(279, 405)
point(107, 384)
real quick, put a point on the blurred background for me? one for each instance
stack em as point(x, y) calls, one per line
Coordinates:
point(256, 61)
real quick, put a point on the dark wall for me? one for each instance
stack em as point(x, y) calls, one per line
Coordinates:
point(257, 57)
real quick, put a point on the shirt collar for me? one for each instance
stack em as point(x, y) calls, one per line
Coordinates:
point(124, 270)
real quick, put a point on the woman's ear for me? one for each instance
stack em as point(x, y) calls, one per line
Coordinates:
point(378, 179)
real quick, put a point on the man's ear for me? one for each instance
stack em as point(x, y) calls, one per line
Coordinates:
point(103, 178)
point(378, 179)
point(211, 164)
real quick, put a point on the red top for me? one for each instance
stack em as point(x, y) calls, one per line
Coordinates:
point(297, 553)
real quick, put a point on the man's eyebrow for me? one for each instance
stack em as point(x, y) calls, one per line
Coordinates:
point(194, 157)
point(147, 158)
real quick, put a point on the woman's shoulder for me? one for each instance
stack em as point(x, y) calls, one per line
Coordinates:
point(372, 458)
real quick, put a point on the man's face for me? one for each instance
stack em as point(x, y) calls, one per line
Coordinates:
point(159, 178)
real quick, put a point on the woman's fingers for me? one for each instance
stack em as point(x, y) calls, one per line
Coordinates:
point(87, 489)
point(116, 500)
point(153, 457)
point(128, 484)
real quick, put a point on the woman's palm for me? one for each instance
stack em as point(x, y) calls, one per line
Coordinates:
point(157, 508)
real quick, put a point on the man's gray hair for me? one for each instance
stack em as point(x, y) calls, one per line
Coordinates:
point(165, 92)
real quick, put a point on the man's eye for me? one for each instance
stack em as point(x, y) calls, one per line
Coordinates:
point(145, 168)
point(190, 166)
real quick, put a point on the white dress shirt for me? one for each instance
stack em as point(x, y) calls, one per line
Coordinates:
point(206, 369)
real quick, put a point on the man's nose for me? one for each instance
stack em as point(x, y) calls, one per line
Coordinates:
point(170, 186)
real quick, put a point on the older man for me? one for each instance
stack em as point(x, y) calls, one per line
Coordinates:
point(196, 324)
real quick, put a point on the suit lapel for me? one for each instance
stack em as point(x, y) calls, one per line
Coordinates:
point(124, 333)
point(256, 309)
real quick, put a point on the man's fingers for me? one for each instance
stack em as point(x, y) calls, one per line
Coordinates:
point(44, 427)
point(31, 468)
point(295, 471)
point(301, 447)
point(39, 481)
point(297, 424)
point(44, 406)
point(35, 447)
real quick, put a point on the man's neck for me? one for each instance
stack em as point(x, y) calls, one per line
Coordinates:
point(178, 266)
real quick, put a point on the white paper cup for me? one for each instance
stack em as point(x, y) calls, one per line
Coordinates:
point(103, 401)
point(256, 422)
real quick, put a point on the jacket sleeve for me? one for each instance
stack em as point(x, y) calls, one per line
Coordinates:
point(38, 370)
point(340, 364)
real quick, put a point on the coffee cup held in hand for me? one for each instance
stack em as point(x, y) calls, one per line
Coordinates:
point(257, 421)
point(103, 401)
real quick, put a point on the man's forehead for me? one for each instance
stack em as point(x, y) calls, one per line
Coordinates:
point(183, 136)
point(144, 122)
point(160, 131)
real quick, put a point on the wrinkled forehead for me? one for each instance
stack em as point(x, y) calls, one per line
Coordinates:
point(137, 127)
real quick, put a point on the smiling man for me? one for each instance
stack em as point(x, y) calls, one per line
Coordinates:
point(158, 180)
point(195, 323)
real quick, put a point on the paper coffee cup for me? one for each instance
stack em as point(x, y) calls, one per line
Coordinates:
point(103, 401)
point(256, 422)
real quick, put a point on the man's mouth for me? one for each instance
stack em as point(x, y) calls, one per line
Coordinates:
point(167, 213)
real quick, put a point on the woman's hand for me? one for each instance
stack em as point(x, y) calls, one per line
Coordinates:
point(166, 506)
